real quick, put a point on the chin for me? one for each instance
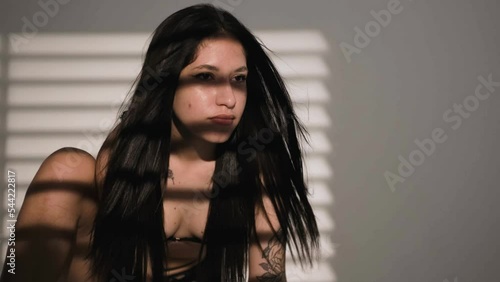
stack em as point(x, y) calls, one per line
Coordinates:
point(217, 138)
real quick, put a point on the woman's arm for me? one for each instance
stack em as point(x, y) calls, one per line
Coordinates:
point(47, 223)
point(267, 253)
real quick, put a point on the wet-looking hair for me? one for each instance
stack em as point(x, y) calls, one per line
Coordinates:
point(128, 229)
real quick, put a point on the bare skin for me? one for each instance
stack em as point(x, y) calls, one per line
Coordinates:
point(186, 212)
point(274, 265)
point(54, 223)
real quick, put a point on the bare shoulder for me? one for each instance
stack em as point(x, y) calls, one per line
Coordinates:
point(266, 219)
point(51, 215)
point(267, 224)
point(63, 181)
point(68, 163)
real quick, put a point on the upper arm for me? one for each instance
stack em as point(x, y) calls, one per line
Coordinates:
point(47, 223)
point(267, 252)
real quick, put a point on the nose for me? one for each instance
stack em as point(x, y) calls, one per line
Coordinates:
point(225, 95)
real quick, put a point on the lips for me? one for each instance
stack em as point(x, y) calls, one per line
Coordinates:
point(223, 119)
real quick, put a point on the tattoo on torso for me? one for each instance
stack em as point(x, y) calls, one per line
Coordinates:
point(274, 255)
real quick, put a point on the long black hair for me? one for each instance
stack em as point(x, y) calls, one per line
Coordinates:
point(128, 229)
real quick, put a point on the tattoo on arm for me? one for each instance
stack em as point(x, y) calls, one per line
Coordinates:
point(274, 254)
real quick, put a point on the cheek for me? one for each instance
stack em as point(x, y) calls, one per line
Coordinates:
point(183, 101)
point(190, 106)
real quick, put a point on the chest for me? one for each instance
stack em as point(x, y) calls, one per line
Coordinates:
point(185, 207)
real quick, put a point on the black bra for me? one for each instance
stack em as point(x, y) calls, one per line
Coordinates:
point(183, 239)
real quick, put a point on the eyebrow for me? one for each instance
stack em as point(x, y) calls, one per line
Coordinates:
point(214, 68)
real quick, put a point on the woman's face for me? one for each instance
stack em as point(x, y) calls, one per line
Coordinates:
point(212, 91)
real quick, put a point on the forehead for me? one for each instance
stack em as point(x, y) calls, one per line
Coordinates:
point(224, 50)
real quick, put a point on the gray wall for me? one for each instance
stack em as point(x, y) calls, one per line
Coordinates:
point(435, 222)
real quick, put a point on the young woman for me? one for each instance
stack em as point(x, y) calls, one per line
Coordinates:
point(201, 179)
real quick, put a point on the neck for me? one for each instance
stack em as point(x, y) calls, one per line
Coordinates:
point(188, 148)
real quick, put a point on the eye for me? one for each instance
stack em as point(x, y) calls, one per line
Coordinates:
point(240, 78)
point(204, 76)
